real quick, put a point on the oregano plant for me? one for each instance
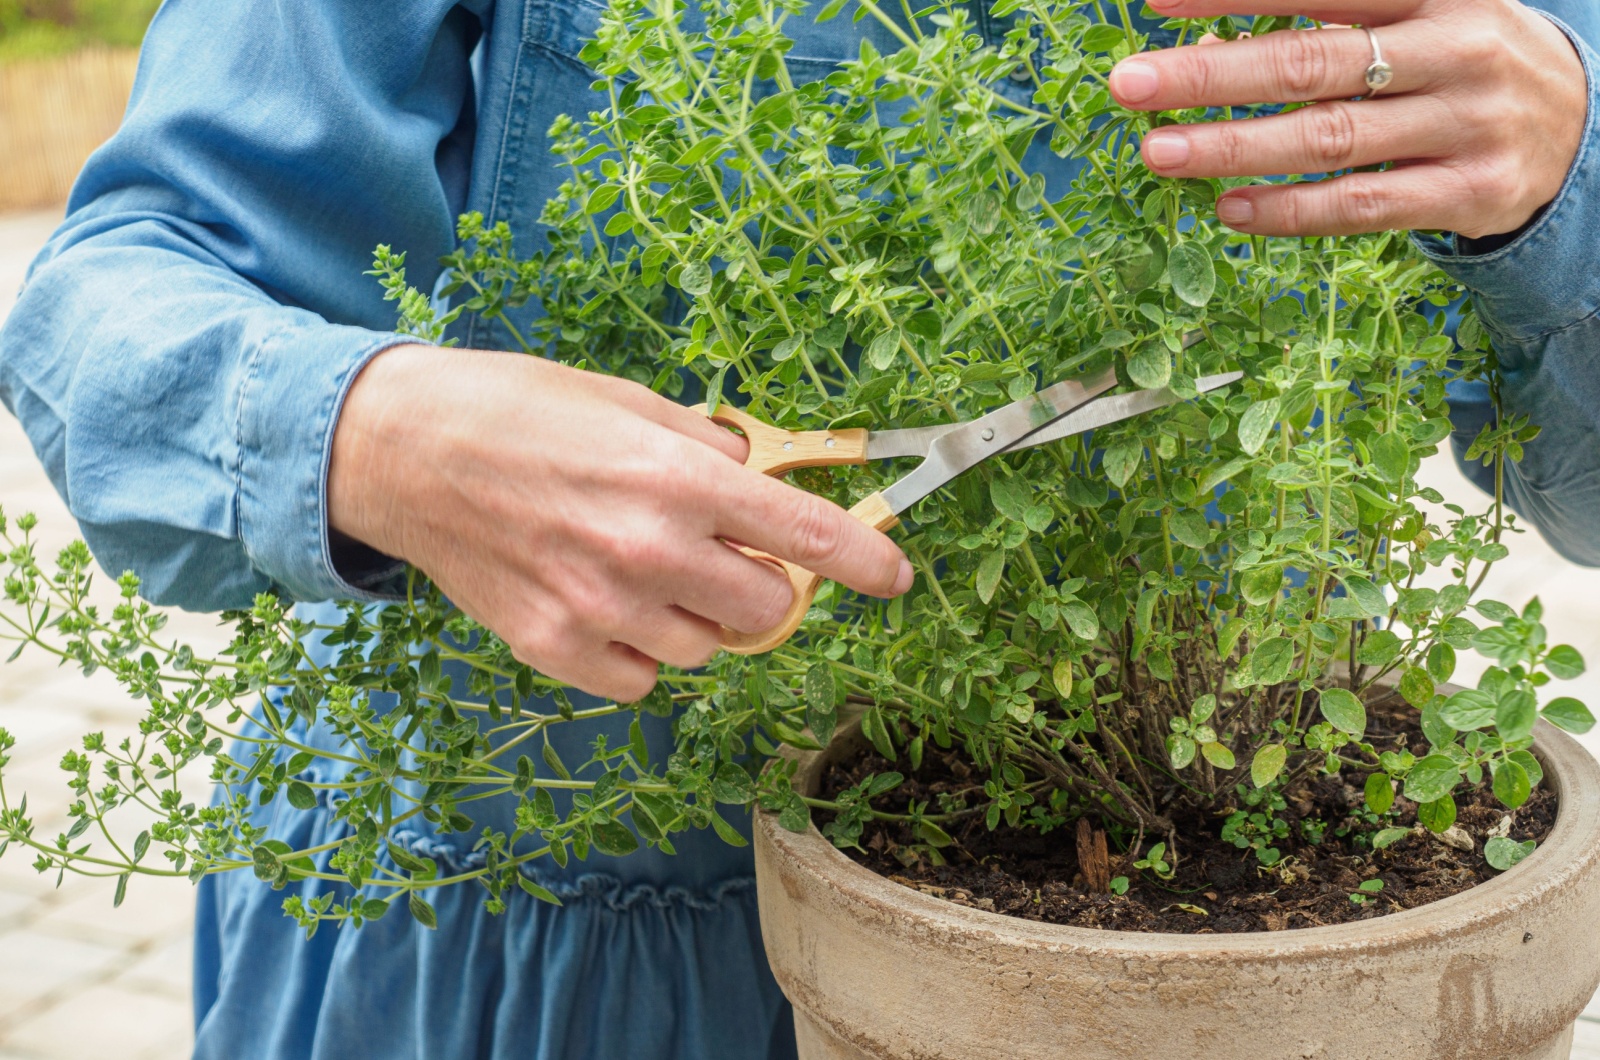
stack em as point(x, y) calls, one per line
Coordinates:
point(1185, 615)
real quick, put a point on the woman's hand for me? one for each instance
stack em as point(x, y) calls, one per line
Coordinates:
point(580, 517)
point(1483, 119)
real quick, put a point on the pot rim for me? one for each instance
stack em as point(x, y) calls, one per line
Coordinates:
point(1573, 843)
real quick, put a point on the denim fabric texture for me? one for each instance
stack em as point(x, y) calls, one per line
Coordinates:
point(179, 356)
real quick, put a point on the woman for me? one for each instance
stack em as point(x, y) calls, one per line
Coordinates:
point(210, 382)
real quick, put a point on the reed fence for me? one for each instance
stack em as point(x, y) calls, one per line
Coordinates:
point(53, 113)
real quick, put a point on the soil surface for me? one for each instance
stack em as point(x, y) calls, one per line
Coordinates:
point(1217, 887)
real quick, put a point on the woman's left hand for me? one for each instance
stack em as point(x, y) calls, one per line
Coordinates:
point(1482, 120)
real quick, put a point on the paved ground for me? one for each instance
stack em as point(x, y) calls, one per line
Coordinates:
point(79, 979)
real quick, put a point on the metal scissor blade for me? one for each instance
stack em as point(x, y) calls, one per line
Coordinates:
point(968, 444)
point(1115, 409)
point(918, 441)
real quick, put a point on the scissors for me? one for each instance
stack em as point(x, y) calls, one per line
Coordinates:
point(1059, 411)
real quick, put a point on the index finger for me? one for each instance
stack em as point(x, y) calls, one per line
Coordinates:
point(1292, 66)
point(812, 532)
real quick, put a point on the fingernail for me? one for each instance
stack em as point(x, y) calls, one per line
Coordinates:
point(1166, 150)
point(903, 582)
point(1134, 81)
point(1235, 210)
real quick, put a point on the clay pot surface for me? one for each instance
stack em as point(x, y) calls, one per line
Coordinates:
point(878, 970)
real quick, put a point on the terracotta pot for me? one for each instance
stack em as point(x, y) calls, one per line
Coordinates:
point(878, 970)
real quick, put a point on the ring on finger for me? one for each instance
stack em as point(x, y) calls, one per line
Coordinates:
point(1379, 74)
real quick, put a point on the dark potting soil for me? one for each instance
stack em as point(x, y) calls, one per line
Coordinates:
point(1218, 888)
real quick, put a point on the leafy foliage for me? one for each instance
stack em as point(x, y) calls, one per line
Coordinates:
point(1183, 613)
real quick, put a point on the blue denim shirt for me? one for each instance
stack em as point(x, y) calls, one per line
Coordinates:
point(179, 356)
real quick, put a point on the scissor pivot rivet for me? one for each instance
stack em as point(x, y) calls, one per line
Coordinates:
point(988, 434)
point(788, 445)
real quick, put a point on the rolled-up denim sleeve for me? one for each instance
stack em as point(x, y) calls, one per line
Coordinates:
point(181, 349)
point(1538, 295)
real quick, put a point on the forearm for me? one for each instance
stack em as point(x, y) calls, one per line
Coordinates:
point(183, 346)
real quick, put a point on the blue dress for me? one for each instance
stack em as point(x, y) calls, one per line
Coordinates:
point(179, 356)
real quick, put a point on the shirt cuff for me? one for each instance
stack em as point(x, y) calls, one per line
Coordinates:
point(1543, 280)
point(293, 394)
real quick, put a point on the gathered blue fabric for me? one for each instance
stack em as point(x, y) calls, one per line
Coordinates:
point(178, 358)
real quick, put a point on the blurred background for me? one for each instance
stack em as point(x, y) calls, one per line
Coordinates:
point(65, 70)
point(81, 979)
point(77, 977)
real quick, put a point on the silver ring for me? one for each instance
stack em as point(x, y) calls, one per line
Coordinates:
point(1379, 74)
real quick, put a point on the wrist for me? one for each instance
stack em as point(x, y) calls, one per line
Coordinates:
point(371, 438)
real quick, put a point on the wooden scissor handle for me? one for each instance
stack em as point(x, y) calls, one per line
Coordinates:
point(872, 510)
point(774, 451)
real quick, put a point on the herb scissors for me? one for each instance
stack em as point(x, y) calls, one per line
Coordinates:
point(1058, 411)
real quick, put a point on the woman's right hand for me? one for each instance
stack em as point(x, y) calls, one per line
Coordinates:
point(583, 518)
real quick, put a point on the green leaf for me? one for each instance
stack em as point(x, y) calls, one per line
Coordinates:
point(1217, 754)
point(301, 796)
point(983, 211)
point(1267, 764)
point(1416, 687)
point(1441, 662)
point(1121, 460)
point(1262, 585)
point(1468, 709)
point(1388, 837)
point(822, 699)
point(1515, 714)
point(1391, 457)
point(1380, 648)
point(1379, 793)
point(1081, 620)
point(727, 832)
point(602, 198)
point(1530, 765)
point(553, 760)
point(733, 785)
point(1570, 714)
point(1061, 677)
point(1194, 278)
point(1434, 777)
point(1564, 662)
point(789, 347)
point(695, 278)
point(1011, 497)
point(1180, 750)
point(1151, 367)
point(877, 730)
point(1367, 596)
point(1343, 710)
point(1191, 529)
point(1269, 663)
point(613, 838)
point(1437, 816)
point(422, 912)
point(637, 745)
point(1502, 852)
point(1256, 423)
point(542, 893)
point(882, 350)
point(990, 570)
point(1511, 784)
point(796, 815)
